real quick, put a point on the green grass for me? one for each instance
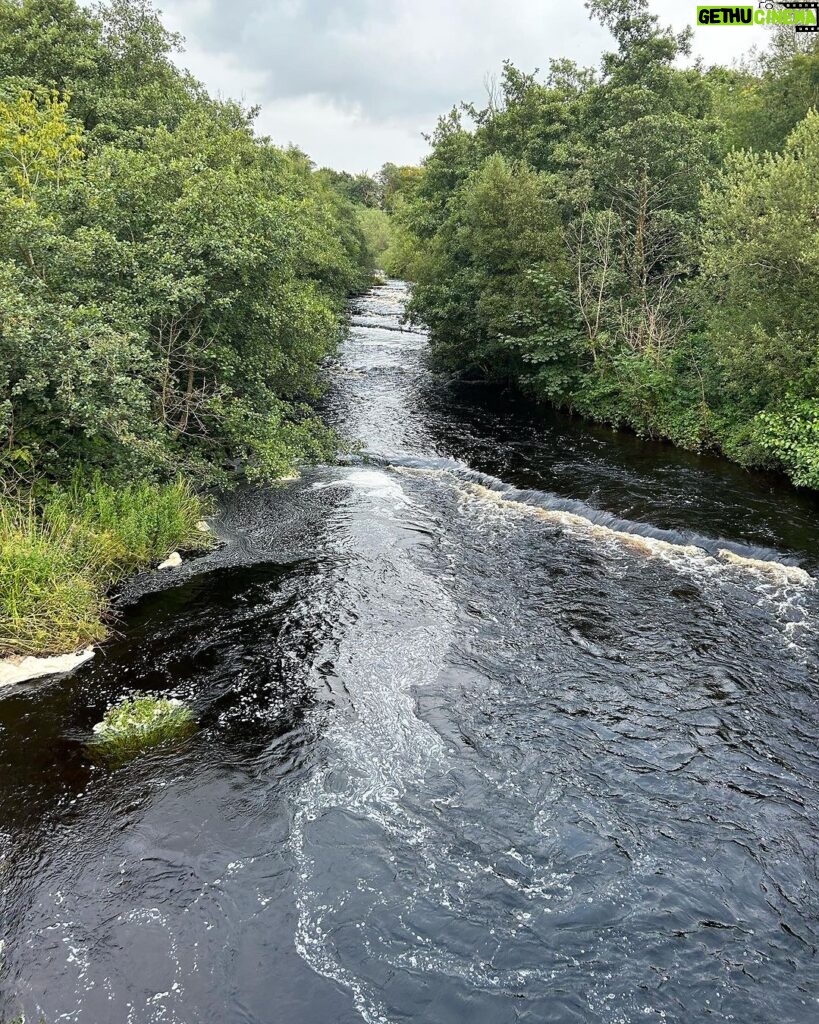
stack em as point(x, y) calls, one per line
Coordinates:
point(138, 524)
point(52, 585)
point(57, 561)
point(137, 724)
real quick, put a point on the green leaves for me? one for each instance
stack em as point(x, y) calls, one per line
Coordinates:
point(38, 142)
point(790, 433)
point(56, 565)
point(592, 239)
point(759, 259)
point(169, 283)
point(483, 283)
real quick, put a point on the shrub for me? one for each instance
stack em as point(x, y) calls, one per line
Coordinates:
point(137, 524)
point(51, 585)
point(790, 433)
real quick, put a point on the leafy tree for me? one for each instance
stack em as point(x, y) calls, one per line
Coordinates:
point(779, 86)
point(396, 184)
point(490, 284)
point(37, 142)
point(760, 260)
point(360, 189)
point(169, 283)
point(54, 44)
point(620, 241)
point(376, 227)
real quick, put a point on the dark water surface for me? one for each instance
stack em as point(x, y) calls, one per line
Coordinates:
point(490, 733)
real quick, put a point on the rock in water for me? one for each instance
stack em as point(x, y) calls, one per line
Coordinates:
point(137, 723)
point(173, 561)
point(19, 670)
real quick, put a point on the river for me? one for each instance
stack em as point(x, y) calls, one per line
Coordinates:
point(492, 731)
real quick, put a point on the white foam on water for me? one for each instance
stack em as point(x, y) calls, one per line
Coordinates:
point(375, 482)
point(651, 547)
point(375, 754)
point(778, 586)
point(162, 1007)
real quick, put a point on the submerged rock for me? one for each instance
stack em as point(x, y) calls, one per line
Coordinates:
point(173, 561)
point(19, 670)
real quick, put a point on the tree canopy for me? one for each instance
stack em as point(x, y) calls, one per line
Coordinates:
point(636, 242)
point(169, 281)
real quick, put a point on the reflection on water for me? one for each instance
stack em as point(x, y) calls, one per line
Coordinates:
point(492, 729)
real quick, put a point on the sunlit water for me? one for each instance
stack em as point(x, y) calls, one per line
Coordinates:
point(492, 730)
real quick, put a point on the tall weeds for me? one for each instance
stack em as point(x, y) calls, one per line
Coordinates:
point(58, 560)
point(138, 523)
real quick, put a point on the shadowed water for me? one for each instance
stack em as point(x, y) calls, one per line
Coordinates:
point(508, 720)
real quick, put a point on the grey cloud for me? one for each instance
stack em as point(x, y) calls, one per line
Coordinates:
point(352, 79)
point(391, 59)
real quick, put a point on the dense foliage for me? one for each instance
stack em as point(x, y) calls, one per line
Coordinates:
point(638, 242)
point(169, 283)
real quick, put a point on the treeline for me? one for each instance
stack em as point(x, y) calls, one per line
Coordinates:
point(169, 283)
point(638, 243)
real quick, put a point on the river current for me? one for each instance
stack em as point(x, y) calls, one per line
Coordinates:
point(507, 719)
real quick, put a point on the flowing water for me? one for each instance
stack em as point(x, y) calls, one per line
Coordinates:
point(508, 720)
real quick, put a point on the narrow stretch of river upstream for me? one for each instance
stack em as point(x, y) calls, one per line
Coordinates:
point(510, 719)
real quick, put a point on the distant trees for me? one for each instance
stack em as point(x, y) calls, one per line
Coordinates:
point(375, 199)
point(636, 242)
point(361, 189)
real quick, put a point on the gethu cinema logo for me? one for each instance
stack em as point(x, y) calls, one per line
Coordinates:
point(803, 16)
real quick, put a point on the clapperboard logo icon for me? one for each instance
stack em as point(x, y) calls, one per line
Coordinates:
point(803, 7)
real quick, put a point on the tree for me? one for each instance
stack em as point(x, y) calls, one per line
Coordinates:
point(38, 142)
point(487, 287)
point(559, 240)
point(760, 260)
point(169, 283)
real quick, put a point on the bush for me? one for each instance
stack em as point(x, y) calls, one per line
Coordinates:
point(138, 723)
point(790, 433)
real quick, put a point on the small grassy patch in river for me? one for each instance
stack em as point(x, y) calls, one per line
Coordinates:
point(137, 724)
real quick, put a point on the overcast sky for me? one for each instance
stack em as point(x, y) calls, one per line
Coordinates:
point(354, 83)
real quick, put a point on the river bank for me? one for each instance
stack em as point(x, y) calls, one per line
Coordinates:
point(533, 413)
point(60, 558)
